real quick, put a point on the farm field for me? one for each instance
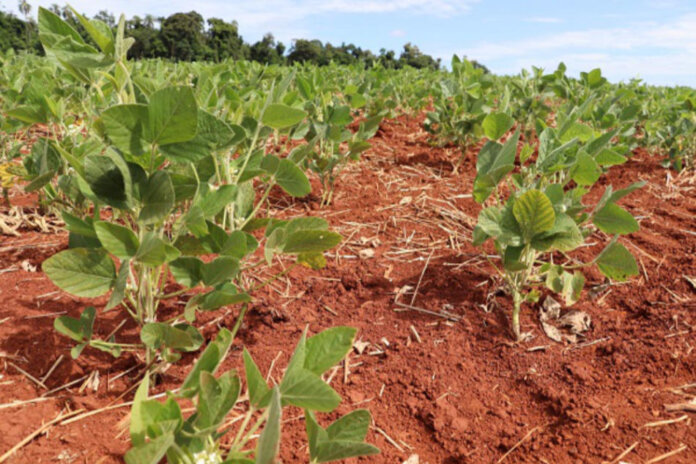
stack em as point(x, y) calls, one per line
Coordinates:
point(516, 256)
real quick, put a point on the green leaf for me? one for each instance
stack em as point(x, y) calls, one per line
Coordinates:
point(577, 130)
point(117, 240)
point(292, 179)
point(81, 271)
point(586, 171)
point(607, 158)
point(307, 241)
point(154, 251)
point(98, 31)
point(337, 450)
point(157, 198)
point(279, 116)
point(315, 260)
point(493, 163)
point(80, 330)
point(351, 427)
point(572, 286)
point(220, 270)
point(219, 298)
point(51, 23)
point(78, 226)
point(172, 116)
point(214, 354)
point(181, 337)
point(315, 434)
point(215, 399)
point(137, 422)
point(151, 452)
point(304, 389)
point(269, 442)
point(106, 179)
point(495, 125)
point(258, 389)
point(188, 271)
point(613, 219)
point(616, 262)
point(119, 291)
point(534, 213)
point(214, 201)
point(124, 125)
point(327, 348)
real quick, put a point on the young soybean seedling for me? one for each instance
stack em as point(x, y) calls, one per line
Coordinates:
point(159, 430)
point(544, 218)
point(165, 190)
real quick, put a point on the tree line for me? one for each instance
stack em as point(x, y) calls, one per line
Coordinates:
point(189, 37)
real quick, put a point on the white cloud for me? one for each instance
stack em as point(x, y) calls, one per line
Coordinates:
point(397, 33)
point(659, 53)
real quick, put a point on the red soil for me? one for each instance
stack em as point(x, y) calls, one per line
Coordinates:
point(460, 394)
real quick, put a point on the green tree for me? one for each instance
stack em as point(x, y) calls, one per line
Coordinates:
point(311, 51)
point(412, 56)
point(148, 41)
point(183, 36)
point(267, 50)
point(224, 40)
point(12, 32)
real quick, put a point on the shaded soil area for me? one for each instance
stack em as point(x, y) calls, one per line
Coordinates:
point(450, 389)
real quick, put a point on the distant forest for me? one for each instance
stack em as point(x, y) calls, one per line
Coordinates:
point(189, 37)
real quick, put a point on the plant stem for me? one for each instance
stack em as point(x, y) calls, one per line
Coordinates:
point(516, 306)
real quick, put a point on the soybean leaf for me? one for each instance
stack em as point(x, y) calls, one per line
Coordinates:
point(292, 179)
point(157, 198)
point(172, 116)
point(137, 422)
point(181, 337)
point(106, 180)
point(80, 330)
point(258, 389)
point(616, 262)
point(608, 157)
point(212, 356)
point(495, 125)
point(187, 271)
point(117, 240)
point(151, 452)
point(572, 286)
point(613, 219)
point(81, 271)
point(154, 251)
point(304, 389)
point(220, 270)
point(269, 441)
point(219, 298)
point(125, 126)
point(494, 161)
point(119, 291)
point(351, 427)
point(337, 450)
point(216, 397)
point(534, 213)
point(586, 171)
point(306, 241)
point(279, 116)
point(327, 348)
point(214, 201)
point(78, 226)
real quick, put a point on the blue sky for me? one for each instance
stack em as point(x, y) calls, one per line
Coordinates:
point(651, 39)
